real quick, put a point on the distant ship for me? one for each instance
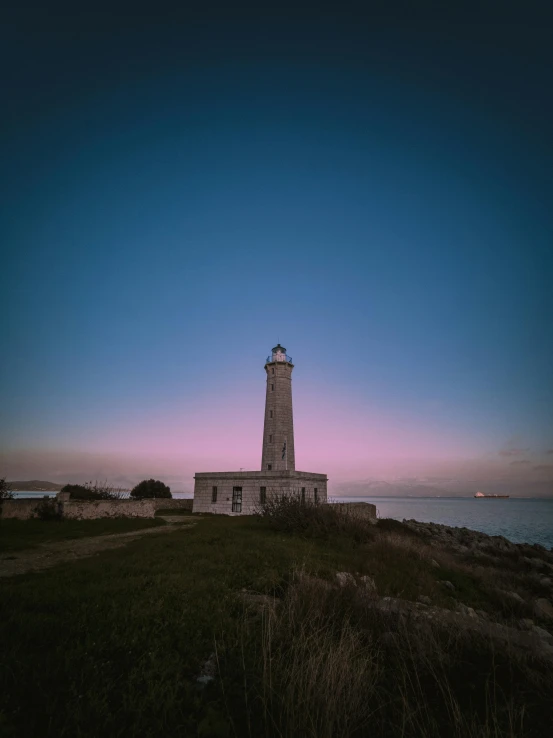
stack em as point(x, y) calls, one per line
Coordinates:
point(493, 497)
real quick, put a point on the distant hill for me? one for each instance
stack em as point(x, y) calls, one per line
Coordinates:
point(35, 485)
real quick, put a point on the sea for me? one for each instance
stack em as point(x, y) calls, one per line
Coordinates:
point(520, 519)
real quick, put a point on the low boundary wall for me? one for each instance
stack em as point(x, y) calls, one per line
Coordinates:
point(24, 509)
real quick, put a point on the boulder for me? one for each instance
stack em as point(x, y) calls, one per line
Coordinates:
point(542, 633)
point(513, 596)
point(465, 610)
point(344, 579)
point(368, 583)
point(543, 609)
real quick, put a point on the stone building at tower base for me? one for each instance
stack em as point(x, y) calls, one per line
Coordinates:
point(235, 493)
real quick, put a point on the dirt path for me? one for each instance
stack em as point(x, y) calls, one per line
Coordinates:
point(50, 554)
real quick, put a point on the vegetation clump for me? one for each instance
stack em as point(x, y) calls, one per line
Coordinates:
point(6, 492)
point(151, 488)
point(93, 491)
point(48, 510)
point(309, 519)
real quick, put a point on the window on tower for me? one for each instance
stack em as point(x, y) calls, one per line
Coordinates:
point(269, 467)
point(272, 388)
point(316, 494)
point(213, 494)
point(303, 494)
point(273, 370)
point(270, 439)
point(270, 413)
point(262, 495)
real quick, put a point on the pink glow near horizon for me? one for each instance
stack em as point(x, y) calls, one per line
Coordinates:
point(332, 436)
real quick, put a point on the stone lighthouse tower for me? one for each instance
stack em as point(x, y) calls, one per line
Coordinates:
point(242, 492)
point(278, 432)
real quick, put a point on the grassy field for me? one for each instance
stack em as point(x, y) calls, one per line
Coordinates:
point(17, 535)
point(113, 645)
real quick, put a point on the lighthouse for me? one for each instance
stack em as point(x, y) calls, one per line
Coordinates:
point(242, 492)
point(278, 430)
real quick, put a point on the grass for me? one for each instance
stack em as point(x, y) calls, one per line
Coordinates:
point(16, 535)
point(112, 645)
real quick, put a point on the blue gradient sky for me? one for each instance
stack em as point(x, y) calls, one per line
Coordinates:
point(183, 191)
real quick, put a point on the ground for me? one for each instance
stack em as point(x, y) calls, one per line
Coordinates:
point(113, 644)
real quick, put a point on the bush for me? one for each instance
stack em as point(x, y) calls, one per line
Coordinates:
point(151, 488)
point(309, 519)
point(48, 510)
point(5, 491)
point(93, 491)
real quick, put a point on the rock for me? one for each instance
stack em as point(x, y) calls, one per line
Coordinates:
point(465, 610)
point(542, 633)
point(208, 671)
point(344, 578)
point(446, 583)
point(424, 599)
point(545, 582)
point(434, 564)
point(368, 583)
point(526, 624)
point(543, 608)
point(482, 614)
point(258, 601)
point(513, 596)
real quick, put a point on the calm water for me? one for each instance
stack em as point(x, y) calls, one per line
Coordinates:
point(518, 519)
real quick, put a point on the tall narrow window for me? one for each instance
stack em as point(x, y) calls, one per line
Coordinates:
point(269, 467)
point(316, 495)
point(273, 370)
point(263, 495)
point(270, 439)
point(272, 388)
point(303, 494)
point(270, 413)
point(213, 494)
point(237, 499)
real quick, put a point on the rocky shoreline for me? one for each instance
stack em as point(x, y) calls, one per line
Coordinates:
point(464, 540)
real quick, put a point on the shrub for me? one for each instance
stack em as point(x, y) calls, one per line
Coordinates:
point(93, 491)
point(292, 514)
point(151, 488)
point(48, 510)
point(5, 491)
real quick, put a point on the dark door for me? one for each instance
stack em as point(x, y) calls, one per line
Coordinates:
point(237, 499)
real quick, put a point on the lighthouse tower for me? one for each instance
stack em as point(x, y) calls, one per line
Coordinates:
point(242, 492)
point(278, 432)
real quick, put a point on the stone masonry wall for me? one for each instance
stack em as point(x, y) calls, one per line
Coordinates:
point(19, 509)
point(279, 419)
point(24, 509)
point(251, 482)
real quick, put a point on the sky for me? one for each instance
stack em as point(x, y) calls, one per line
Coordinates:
point(185, 186)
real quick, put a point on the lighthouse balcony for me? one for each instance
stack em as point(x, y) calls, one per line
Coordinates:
point(278, 357)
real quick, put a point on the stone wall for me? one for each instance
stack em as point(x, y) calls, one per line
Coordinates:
point(359, 509)
point(19, 509)
point(174, 504)
point(92, 509)
point(24, 509)
point(280, 482)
